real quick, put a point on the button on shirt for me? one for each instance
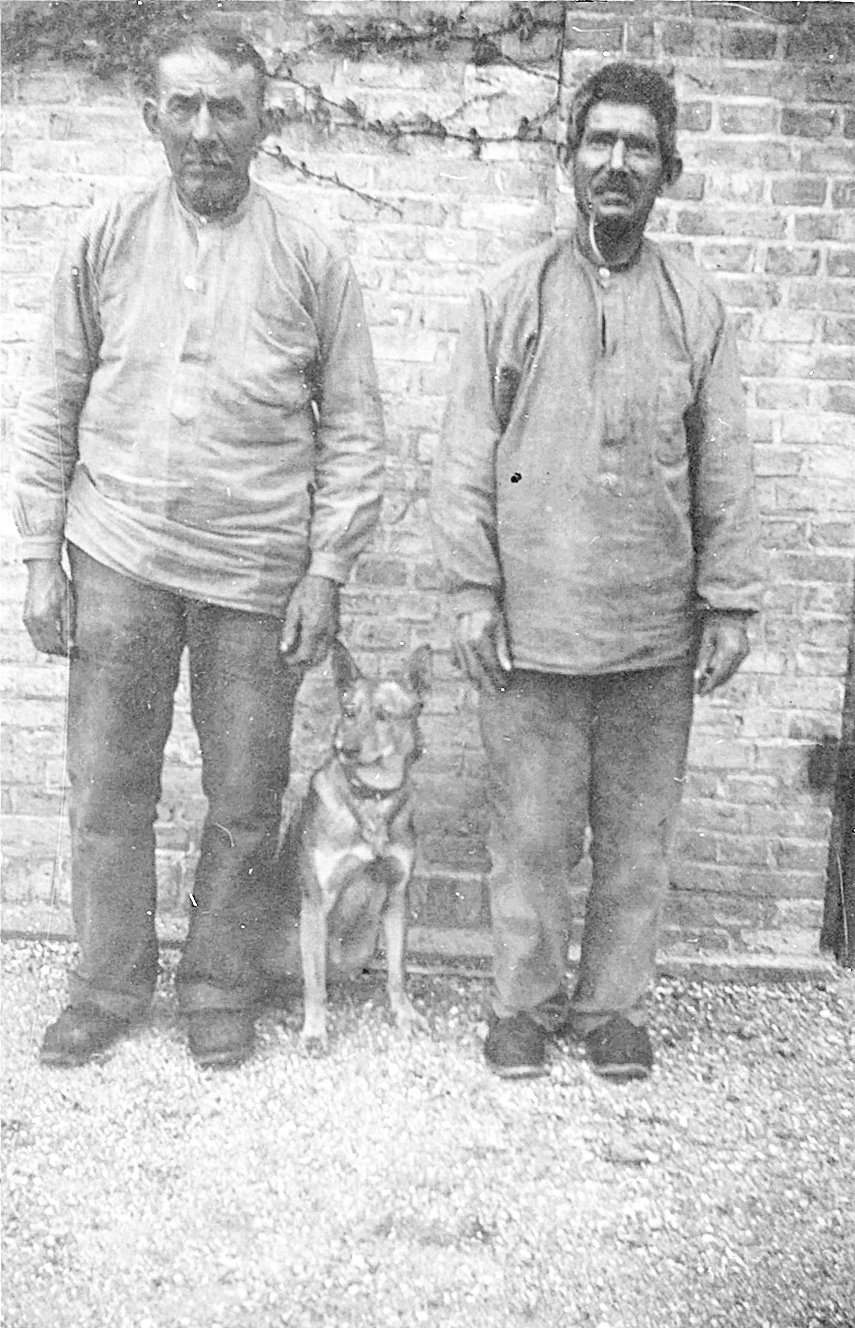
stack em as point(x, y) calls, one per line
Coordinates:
point(594, 474)
point(201, 409)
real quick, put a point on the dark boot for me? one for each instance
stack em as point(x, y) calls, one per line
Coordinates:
point(81, 1032)
point(220, 1038)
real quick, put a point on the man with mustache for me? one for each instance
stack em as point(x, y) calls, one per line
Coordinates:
point(595, 525)
point(200, 434)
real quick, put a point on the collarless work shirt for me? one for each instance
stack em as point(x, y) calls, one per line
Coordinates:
point(594, 475)
point(201, 410)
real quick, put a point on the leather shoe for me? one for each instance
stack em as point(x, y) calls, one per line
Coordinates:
point(81, 1032)
point(515, 1047)
point(620, 1050)
point(220, 1038)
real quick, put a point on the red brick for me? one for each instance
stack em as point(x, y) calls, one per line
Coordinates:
point(727, 257)
point(742, 156)
point(781, 261)
point(839, 330)
point(838, 534)
point(841, 263)
point(840, 398)
point(831, 364)
point(593, 32)
point(827, 599)
point(748, 118)
point(788, 326)
point(807, 123)
point(828, 158)
point(36, 87)
point(784, 83)
point(748, 44)
point(831, 43)
point(641, 38)
point(762, 225)
point(739, 188)
point(694, 116)
point(799, 190)
point(830, 297)
point(823, 568)
point(781, 396)
point(817, 226)
point(843, 193)
point(777, 461)
point(696, 40)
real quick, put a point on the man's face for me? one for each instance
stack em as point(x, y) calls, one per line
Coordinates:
point(617, 168)
point(210, 121)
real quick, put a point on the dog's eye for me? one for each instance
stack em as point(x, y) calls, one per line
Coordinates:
point(349, 711)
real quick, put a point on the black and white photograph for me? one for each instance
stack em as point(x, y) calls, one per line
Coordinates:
point(428, 664)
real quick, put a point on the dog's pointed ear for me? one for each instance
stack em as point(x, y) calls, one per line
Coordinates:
point(344, 668)
point(419, 672)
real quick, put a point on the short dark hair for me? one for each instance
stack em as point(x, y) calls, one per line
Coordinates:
point(219, 38)
point(633, 85)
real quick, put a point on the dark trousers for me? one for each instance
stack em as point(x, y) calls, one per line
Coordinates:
point(130, 639)
point(566, 754)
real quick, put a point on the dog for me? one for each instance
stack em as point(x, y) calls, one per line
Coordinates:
point(350, 847)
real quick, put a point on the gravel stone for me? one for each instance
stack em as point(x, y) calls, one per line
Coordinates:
point(397, 1182)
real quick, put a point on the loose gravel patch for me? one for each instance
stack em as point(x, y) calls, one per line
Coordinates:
point(397, 1182)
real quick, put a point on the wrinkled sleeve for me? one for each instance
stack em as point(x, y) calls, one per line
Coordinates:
point(463, 484)
point(726, 529)
point(350, 441)
point(56, 383)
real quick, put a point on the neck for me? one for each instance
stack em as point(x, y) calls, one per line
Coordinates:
point(605, 249)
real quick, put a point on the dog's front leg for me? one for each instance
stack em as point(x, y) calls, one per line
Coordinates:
point(407, 1017)
point(313, 950)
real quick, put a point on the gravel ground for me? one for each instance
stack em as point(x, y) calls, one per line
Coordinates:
point(397, 1182)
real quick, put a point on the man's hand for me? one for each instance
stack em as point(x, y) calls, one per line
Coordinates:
point(311, 621)
point(724, 645)
point(479, 645)
point(49, 607)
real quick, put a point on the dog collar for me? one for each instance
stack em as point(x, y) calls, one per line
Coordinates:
point(366, 793)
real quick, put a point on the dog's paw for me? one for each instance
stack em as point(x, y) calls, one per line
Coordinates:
point(409, 1019)
point(313, 1038)
point(314, 1044)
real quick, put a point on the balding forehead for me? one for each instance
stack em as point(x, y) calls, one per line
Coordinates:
point(198, 69)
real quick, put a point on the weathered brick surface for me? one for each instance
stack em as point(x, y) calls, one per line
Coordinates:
point(766, 202)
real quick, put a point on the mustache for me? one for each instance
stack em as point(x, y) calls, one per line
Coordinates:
point(199, 157)
point(614, 182)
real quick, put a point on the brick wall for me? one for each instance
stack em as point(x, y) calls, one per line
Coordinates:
point(767, 204)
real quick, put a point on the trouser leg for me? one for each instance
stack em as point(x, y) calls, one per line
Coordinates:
point(242, 696)
point(639, 741)
point(121, 687)
point(535, 736)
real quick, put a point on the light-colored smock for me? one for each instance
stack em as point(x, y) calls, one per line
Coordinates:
point(594, 473)
point(201, 410)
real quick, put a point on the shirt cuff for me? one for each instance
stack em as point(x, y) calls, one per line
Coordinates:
point(330, 566)
point(472, 599)
point(41, 546)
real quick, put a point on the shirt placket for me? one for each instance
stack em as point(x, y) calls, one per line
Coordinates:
point(195, 353)
point(614, 369)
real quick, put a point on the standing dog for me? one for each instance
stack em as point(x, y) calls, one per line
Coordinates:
point(350, 847)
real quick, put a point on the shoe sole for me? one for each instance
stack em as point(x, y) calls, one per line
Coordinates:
point(222, 1060)
point(518, 1071)
point(62, 1060)
point(630, 1071)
